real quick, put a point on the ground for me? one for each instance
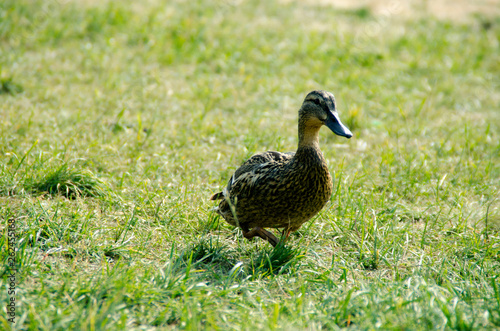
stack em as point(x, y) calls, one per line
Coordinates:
point(119, 120)
point(459, 11)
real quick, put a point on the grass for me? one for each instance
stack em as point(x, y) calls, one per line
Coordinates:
point(119, 120)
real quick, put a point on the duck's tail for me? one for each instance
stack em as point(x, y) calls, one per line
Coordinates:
point(217, 196)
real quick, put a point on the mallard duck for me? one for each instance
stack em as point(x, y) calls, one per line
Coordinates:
point(284, 190)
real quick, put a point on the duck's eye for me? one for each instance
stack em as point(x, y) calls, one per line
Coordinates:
point(316, 101)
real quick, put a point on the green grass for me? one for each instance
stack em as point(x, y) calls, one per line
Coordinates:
point(118, 121)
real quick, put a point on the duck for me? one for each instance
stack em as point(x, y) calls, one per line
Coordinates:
point(284, 190)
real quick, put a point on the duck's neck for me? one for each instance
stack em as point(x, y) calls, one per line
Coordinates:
point(308, 136)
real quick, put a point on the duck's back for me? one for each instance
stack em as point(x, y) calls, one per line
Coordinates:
point(260, 160)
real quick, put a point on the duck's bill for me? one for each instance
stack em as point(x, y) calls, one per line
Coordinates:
point(333, 123)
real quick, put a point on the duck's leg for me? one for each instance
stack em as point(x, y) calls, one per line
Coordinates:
point(260, 232)
point(270, 237)
point(285, 234)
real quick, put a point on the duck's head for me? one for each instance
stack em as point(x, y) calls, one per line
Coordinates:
point(319, 109)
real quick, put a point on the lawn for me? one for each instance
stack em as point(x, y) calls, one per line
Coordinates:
point(119, 120)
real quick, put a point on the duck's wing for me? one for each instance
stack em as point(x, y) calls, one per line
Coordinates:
point(252, 170)
point(262, 158)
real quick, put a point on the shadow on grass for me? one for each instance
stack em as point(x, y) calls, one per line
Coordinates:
point(207, 253)
point(276, 261)
point(217, 258)
point(269, 262)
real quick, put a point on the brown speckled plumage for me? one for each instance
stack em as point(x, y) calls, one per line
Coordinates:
point(284, 190)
